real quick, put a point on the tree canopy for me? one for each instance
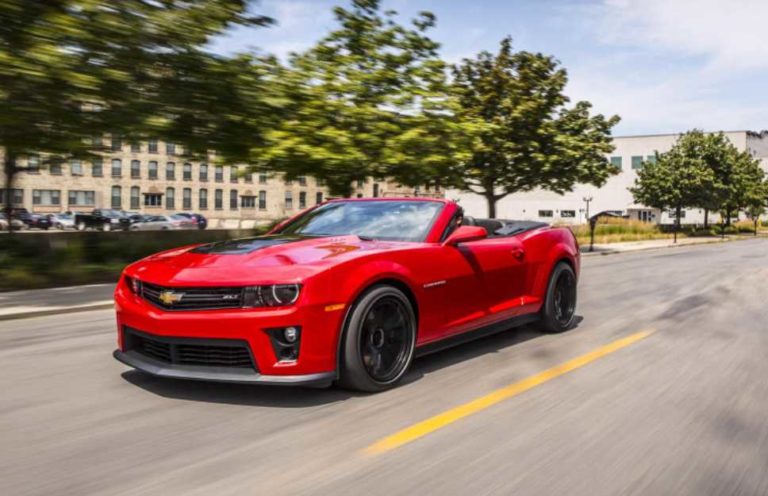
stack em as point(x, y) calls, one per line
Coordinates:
point(71, 70)
point(368, 100)
point(530, 138)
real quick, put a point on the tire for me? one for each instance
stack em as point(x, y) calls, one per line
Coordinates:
point(559, 310)
point(106, 227)
point(80, 226)
point(379, 340)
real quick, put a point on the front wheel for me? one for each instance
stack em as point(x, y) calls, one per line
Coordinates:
point(559, 308)
point(379, 340)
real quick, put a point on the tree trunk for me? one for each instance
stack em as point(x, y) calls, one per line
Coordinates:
point(755, 221)
point(491, 199)
point(9, 167)
point(678, 213)
point(706, 219)
point(728, 216)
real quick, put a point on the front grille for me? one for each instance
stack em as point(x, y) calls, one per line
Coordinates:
point(190, 351)
point(192, 298)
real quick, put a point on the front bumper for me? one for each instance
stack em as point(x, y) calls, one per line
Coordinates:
point(317, 350)
point(220, 374)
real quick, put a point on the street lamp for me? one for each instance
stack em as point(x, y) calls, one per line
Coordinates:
point(587, 200)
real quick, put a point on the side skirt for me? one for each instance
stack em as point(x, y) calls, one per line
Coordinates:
point(481, 332)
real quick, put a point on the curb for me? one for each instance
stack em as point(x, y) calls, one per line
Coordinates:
point(56, 311)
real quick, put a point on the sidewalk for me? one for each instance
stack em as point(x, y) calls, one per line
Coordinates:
point(613, 248)
point(37, 302)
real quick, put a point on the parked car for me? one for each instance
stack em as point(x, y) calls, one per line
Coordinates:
point(104, 219)
point(38, 221)
point(163, 223)
point(348, 291)
point(16, 224)
point(200, 221)
point(21, 214)
point(62, 221)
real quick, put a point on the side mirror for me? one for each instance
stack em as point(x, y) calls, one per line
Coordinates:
point(465, 234)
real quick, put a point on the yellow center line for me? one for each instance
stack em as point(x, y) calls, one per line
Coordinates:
point(448, 417)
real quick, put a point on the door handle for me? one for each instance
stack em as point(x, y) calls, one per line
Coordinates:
point(518, 253)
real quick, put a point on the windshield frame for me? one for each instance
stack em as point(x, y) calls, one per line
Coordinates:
point(281, 229)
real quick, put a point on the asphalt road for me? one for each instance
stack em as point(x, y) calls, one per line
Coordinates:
point(682, 411)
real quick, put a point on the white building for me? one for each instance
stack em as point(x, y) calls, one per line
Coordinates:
point(614, 195)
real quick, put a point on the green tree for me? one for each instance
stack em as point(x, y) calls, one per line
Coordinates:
point(369, 100)
point(675, 180)
point(71, 70)
point(530, 138)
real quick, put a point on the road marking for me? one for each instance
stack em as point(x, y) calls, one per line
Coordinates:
point(448, 417)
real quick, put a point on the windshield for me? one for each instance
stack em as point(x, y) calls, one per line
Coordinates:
point(385, 220)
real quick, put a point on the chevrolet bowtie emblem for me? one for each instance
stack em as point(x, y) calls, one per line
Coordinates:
point(169, 297)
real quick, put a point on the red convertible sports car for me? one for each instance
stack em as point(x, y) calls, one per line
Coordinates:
point(348, 291)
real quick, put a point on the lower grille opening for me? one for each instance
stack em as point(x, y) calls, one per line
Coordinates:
point(190, 351)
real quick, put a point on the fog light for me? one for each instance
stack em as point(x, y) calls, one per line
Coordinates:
point(290, 334)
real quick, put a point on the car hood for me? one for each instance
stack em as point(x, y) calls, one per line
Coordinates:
point(262, 260)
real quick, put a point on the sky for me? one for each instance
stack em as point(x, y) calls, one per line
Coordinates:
point(664, 66)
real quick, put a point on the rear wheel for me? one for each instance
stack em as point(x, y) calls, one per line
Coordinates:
point(379, 340)
point(559, 309)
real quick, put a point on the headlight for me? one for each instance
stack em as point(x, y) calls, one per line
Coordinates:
point(276, 295)
point(133, 284)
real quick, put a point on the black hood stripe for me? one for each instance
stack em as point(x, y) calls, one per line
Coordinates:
point(245, 245)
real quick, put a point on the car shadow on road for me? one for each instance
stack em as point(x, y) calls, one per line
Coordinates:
point(300, 397)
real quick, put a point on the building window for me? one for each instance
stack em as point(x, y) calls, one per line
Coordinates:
point(170, 171)
point(248, 177)
point(218, 174)
point(153, 200)
point(81, 198)
point(97, 167)
point(287, 181)
point(55, 168)
point(288, 200)
point(76, 167)
point(203, 199)
point(117, 167)
point(302, 199)
point(117, 143)
point(319, 197)
point(170, 198)
point(673, 214)
point(46, 197)
point(152, 168)
point(302, 180)
point(262, 178)
point(616, 162)
point(187, 172)
point(135, 197)
point(568, 214)
point(233, 199)
point(651, 159)
point(360, 183)
point(248, 201)
point(262, 200)
point(152, 146)
point(97, 141)
point(170, 149)
point(203, 172)
point(117, 197)
point(17, 196)
point(135, 169)
point(135, 147)
point(33, 164)
point(186, 199)
point(375, 190)
point(233, 172)
point(545, 213)
point(637, 162)
point(218, 199)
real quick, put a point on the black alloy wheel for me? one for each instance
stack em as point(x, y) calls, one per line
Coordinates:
point(559, 309)
point(379, 340)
